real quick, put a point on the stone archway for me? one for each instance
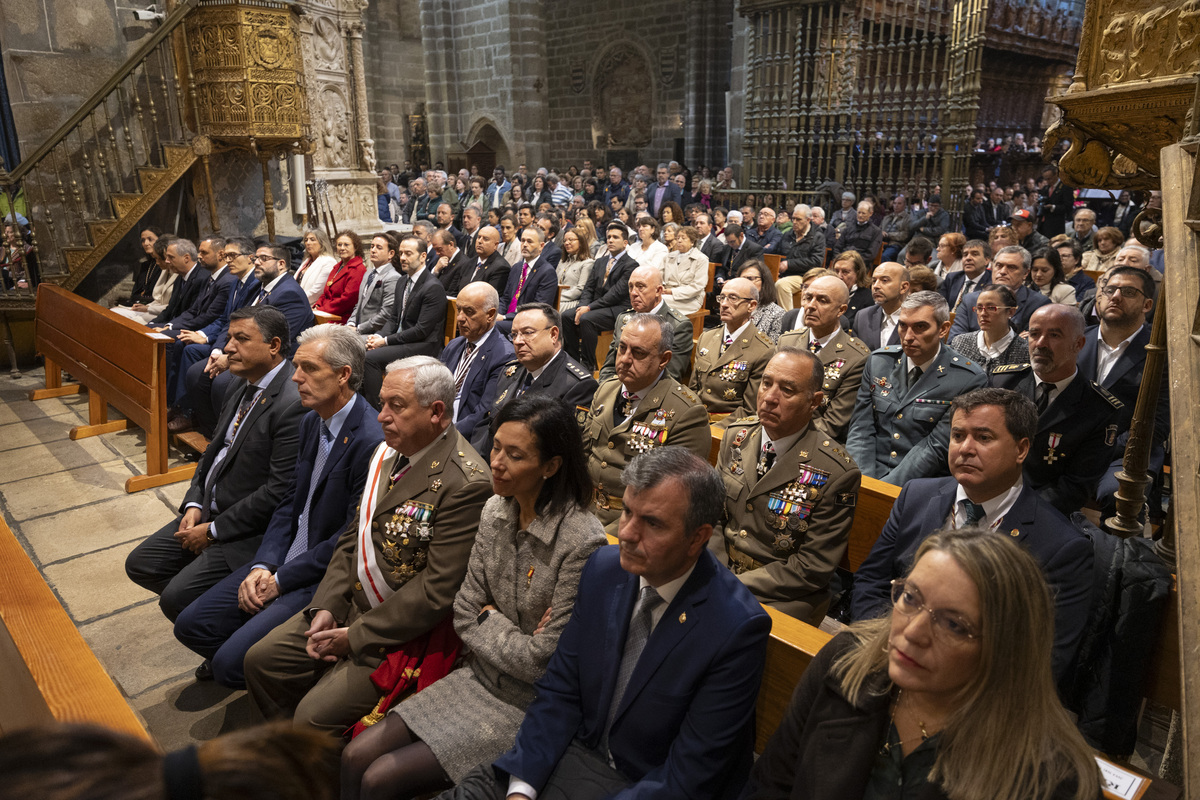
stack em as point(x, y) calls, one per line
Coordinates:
point(486, 142)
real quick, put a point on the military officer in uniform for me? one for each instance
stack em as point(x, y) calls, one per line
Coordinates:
point(641, 408)
point(1077, 419)
point(539, 365)
point(646, 297)
point(730, 359)
point(842, 356)
point(396, 569)
point(901, 424)
point(790, 492)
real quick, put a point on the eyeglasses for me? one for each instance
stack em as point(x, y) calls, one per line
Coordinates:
point(732, 299)
point(908, 601)
point(527, 333)
point(991, 309)
point(1128, 292)
point(261, 259)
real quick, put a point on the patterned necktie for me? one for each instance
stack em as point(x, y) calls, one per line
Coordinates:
point(370, 278)
point(262, 295)
point(404, 300)
point(726, 343)
point(1043, 397)
point(766, 459)
point(974, 512)
point(516, 298)
point(464, 364)
point(814, 346)
point(640, 625)
point(300, 543)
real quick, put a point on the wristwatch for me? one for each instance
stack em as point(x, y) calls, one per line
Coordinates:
point(209, 535)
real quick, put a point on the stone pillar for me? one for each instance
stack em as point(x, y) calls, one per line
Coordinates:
point(530, 115)
point(442, 109)
point(735, 99)
point(708, 65)
point(366, 145)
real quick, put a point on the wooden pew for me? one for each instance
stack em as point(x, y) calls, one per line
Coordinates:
point(120, 363)
point(712, 276)
point(46, 668)
point(773, 260)
point(451, 319)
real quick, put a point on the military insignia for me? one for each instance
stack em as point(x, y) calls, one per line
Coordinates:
point(434, 465)
point(730, 394)
point(1051, 456)
point(581, 415)
point(848, 499)
point(433, 487)
point(398, 534)
point(941, 368)
point(503, 395)
point(598, 410)
point(741, 437)
point(683, 617)
point(703, 351)
point(784, 542)
point(471, 466)
point(803, 454)
point(1110, 435)
point(508, 373)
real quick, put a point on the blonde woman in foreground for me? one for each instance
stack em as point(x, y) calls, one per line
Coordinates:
point(950, 696)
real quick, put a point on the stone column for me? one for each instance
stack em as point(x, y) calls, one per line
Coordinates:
point(530, 115)
point(366, 145)
point(447, 125)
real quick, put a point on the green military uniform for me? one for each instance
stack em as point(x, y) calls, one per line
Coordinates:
point(785, 533)
point(727, 381)
point(667, 413)
point(843, 357)
point(422, 528)
point(681, 344)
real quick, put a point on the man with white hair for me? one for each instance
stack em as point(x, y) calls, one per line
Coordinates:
point(1083, 230)
point(394, 575)
point(859, 233)
point(1138, 257)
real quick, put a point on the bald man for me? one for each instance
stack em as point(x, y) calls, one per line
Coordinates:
point(730, 359)
point(876, 325)
point(842, 356)
point(476, 356)
point(646, 297)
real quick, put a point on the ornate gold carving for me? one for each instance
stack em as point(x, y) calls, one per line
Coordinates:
point(1136, 40)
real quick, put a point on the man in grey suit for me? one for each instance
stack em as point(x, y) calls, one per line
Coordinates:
point(378, 287)
point(242, 476)
point(901, 424)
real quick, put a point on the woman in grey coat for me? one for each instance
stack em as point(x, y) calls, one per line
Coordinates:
point(534, 538)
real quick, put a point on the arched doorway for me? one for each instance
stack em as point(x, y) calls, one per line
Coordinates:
point(487, 149)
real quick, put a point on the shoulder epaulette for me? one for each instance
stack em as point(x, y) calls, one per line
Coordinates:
point(748, 421)
point(1011, 368)
point(578, 371)
point(891, 350)
point(859, 345)
point(688, 395)
point(837, 451)
point(1107, 395)
point(762, 337)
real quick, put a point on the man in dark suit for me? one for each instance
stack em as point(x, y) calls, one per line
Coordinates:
point(1009, 268)
point(651, 690)
point(739, 249)
point(605, 295)
point(646, 297)
point(1057, 203)
point(532, 280)
point(547, 222)
point(973, 276)
point(1077, 426)
point(417, 324)
point(992, 432)
point(477, 356)
point(765, 234)
point(860, 234)
point(975, 217)
point(445, 222)
point(539, 365)
point(207, 382)
point(451, 259)
point(216, 284)
point(803, 248)
point(878, 325)
point(337, 437)
point(180, 257)
point(242, 476)
point(1114, 356)
point(710, 244)
point(663, 192)
point(489, 264)
point(995, 210)
point(472, 222)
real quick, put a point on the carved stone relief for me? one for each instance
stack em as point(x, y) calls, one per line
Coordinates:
point(329, 50)
point(1149, 42)
point(622, 98)
point(333, 127)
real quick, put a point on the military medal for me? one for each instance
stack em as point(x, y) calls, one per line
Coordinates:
point(508, 373)
point(1051, 456)
point(730, 394)
point(783, 542)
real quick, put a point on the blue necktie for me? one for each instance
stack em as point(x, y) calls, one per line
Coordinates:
point(300, 543)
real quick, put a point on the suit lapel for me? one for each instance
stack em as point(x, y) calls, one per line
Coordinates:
point(417, 478)
point(265, 399)
point(619, 608)
point(1065, 403)
point(1133, 357)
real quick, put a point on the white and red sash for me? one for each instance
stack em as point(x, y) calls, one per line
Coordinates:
point(375, 586)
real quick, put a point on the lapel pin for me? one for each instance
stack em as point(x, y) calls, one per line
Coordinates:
point(434, 465)
point(1014, 532)
point(683, 617)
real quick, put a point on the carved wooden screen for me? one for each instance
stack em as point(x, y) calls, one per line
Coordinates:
point(875, 96)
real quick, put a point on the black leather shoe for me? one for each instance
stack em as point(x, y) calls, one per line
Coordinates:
point(204, 671)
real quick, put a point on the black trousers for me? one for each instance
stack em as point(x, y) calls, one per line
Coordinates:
point(581, 774)
point(176, 575)
point(580, 340)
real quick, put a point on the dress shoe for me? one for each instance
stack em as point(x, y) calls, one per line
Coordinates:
point(204, 671)
point(180, 424)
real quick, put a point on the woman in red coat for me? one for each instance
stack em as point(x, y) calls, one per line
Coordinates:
point(341, 287)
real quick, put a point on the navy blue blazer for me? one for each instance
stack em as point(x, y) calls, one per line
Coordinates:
point(182, 296)
point(334, 503)
point(685, 726)
point(551, 253)
point(1028, 301)
point(288, 296)
point(953, 284)
point(494, 270)
point(1124, 381)
point(479, 386)
point(239, 295)
point(868, 327)
point(924, 505)
point(672, 193)
point(209, 303)
point(541, 286)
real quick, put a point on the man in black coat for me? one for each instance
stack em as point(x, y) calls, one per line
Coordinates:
point(739, 250)
point(242, 476)
point(710, 244)
point(417, 326)
point(1057, 204)
point(489, 265)
point(605, 295)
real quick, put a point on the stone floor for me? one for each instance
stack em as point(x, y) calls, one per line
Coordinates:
point(65, 501)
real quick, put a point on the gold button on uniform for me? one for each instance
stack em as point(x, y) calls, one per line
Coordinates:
point(749, 506)
point(357, 586)
point(611, 445)
point(895, 436)
point(742, 533)
point(893, 454)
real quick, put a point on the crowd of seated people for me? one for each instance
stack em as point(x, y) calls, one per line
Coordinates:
point(399, 532)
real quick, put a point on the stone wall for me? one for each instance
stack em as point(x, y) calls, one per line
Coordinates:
point(395, 71)
point(57, 52)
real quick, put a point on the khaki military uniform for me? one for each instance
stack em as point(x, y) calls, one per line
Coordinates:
point(422, 529)
point(667, 414)
point(728, 381)
point(681, 343)
point(785, 533)
point(843, 357)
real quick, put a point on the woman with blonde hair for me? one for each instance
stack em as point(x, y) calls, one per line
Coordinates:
point(951, 696)
point(319, 261)
point(584, 223)
point(575, 267)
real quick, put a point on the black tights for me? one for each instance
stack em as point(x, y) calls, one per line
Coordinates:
point(386, 762)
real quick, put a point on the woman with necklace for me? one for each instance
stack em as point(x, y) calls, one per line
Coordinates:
point(951, 696)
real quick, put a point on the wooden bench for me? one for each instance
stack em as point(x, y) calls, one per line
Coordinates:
point(773, 261)
point(451, 319)
point(119, 362)
point(46, 668)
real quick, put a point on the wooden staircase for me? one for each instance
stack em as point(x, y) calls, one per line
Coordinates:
point(96, 177)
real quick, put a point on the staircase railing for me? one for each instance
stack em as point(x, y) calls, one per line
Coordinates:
point(88, 170)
